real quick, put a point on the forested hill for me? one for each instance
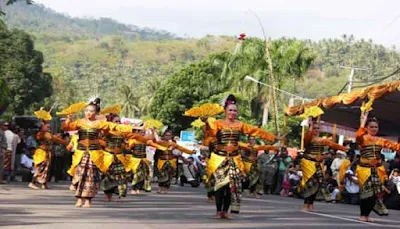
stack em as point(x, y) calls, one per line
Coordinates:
point(38, 19)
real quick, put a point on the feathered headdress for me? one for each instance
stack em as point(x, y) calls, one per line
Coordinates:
point(92, 99)
point(95, 100)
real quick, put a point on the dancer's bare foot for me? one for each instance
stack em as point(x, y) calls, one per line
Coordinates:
point(107, 197)
point(311, 208)
point(218, 215)
point(370, 220)
point(45, 186)
point(363, 219)
point(72, 188)
point(305, 208)
point(225, 215)
point(33, 186)
point(133, 192)
point(87, 204)
point(256, 196)
point(159, 191)
point(209, 200)
point(78, 203)
point(138, 192)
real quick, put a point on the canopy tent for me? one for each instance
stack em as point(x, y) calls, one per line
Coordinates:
point(344, 109)
point(337, 129)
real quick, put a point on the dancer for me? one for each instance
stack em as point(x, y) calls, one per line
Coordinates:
point(225, 167)
point(42, 155)
point(251, 167)
point(370, 172)
point(72, 147)
point(167, 162)
point(139, 165)
point(211, 143)
point(89, 159)
point(312, 166)
point(116, 162)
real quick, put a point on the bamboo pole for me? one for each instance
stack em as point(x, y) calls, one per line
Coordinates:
point(334, 132)
point(303, 132)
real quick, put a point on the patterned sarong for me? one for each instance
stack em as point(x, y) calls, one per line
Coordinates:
point(86, 178)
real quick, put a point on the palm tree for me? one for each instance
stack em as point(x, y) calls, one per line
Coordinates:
point(130, 107)
point(288, 58)
point(147, 91)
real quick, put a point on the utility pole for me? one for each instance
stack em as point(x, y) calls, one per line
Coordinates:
point(351, 76)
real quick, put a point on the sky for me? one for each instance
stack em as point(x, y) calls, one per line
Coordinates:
point(378, 20)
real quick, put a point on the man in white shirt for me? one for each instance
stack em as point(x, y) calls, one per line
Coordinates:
point(27, 167)
point(352, 188)
point(340, 157)
point(12, 142)
point(27, 162)
point(3, 148)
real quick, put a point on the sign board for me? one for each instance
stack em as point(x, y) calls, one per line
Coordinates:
point(187, 136)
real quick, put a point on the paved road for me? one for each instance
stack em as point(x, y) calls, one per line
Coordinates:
point(21, 207)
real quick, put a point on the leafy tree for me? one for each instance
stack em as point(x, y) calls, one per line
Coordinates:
point(183, 89)
point(21, 69)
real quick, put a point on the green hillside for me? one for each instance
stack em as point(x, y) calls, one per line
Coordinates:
point(47, 23)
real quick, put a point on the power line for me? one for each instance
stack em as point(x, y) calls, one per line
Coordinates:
point(351, 76)
point(280, 90)
point(397, 71)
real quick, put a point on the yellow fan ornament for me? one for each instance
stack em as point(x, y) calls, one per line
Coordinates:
point(367, 107)
point(313, 111)
point(152, 123)
point(205, 110)
point(113, 109)
point(73, 109)
point(42, 114)
point(198, 123)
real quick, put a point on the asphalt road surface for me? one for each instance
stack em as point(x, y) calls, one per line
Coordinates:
point(183, 207)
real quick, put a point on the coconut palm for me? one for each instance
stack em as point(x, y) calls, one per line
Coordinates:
point(289, 59)
point(129, 101)
point(147, 91)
